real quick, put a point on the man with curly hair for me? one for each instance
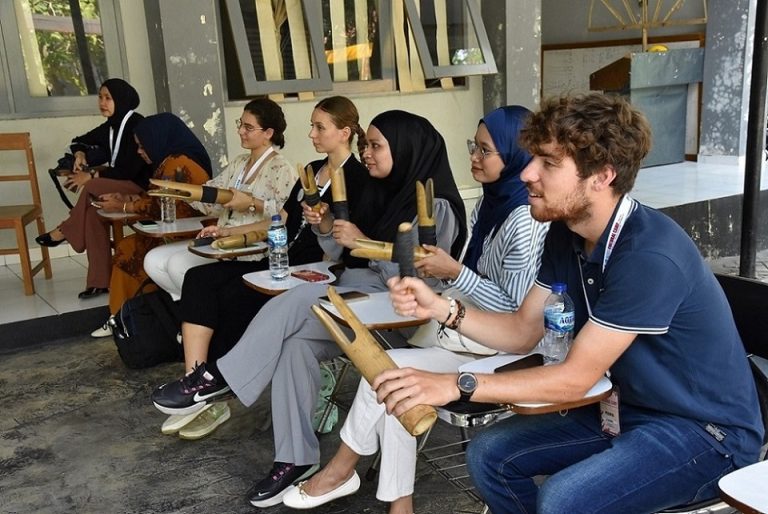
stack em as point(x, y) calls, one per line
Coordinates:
point(648, 311)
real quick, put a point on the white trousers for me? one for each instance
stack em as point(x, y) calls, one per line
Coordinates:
point(167, 264)
point(368, 426)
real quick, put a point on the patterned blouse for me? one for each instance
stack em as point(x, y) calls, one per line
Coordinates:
point(272, 184)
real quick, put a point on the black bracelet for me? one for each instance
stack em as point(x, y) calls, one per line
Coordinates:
point(459, 316)
point(451, 310)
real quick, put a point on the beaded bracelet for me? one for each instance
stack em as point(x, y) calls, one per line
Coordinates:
point(456, 323)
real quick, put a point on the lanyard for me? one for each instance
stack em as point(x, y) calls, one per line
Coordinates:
point(116, 143)
point(256, 165)
point(618, 224)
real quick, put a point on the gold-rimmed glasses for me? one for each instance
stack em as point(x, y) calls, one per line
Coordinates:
point(248, 127)
point(475, 148)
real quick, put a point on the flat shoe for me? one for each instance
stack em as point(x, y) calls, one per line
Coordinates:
point(91, 292)
point(296, 498)
point(47, 240)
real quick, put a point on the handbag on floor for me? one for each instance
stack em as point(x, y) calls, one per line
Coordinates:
point(145, 330)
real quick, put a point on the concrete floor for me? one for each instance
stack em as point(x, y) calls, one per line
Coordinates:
point(79, 434)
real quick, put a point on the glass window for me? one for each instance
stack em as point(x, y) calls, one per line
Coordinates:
point(59, 52)
point(278, 46)
point(450, 38)
point(270, 47)
point(350, 39)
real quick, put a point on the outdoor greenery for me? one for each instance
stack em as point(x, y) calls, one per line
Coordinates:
point(61, 58)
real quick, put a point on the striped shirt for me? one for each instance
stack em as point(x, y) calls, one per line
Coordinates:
point(508, 264)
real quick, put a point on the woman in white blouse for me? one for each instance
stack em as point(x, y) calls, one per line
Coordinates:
point(261, 181)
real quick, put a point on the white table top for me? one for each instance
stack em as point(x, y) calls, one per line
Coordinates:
point(376, 312)
point(490, 364)
point(182, 226)
point(116, 215)
point(263, 281)
point(748, 486)
point(218, 253)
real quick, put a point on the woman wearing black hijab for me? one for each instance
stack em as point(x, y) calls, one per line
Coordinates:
point(126, 173)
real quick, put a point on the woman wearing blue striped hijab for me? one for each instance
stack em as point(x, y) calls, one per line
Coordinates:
point(498, 268)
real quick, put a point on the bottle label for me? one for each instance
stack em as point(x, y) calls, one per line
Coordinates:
point(277, 238)
point(559, 321)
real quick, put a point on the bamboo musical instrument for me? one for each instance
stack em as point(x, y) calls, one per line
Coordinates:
point(190, 192)
point(309, 185)
point(401, 252)
point(240, 240)
point(425, 210)
point(370, 358)
point(339, 205)
point(382, 251)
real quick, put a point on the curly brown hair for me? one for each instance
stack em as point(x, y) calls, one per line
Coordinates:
point(595, 130)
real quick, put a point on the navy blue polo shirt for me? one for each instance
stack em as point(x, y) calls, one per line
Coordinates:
point(687, 359)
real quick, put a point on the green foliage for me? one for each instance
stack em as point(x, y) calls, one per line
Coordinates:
point(62, 65)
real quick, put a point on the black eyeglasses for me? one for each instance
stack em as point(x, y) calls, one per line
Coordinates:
point(475, 148)
point(247, 127)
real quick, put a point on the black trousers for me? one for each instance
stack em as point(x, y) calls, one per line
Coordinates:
point(215, 296)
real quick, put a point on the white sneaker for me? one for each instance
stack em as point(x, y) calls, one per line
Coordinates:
point(105, 330)
point(176, 422)
point(208, 421)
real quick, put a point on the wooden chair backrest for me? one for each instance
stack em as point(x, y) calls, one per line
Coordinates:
point(20, 141)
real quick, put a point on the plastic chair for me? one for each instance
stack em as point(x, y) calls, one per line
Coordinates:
point(17, 217)
point(744, 295)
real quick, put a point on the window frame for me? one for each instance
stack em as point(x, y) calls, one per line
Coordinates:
point(321, 80)
point(14, 91)
point(434, 71)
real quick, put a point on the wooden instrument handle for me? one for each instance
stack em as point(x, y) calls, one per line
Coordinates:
point(239, 240)
point(370, 359)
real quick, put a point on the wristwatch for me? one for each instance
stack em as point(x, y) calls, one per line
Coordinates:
point(252, 207)
point(467, 383)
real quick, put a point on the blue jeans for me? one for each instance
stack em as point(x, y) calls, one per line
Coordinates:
point(657, 462)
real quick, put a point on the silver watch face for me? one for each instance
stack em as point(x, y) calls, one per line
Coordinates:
point(467, 382)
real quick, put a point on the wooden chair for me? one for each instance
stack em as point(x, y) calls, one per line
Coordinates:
point(17, 217)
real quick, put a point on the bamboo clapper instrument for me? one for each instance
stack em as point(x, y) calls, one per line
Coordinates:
point(425, 212)
point(339, 206)
point(190, 192)
point(383, 251)
point(370, 358)
point(309, 185)
point(239, 240)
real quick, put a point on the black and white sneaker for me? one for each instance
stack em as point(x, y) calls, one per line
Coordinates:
point(271, 489)
point(190, 393)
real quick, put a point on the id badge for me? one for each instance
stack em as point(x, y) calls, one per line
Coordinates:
point(609, 413)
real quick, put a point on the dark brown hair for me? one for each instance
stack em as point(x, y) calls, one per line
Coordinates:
point(270, 116)
point(595, 130)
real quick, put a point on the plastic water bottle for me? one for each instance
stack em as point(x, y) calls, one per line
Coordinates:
point(558, 324)
point(277, 238)
point(167, 209)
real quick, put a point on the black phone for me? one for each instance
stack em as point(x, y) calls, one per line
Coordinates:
point(148, 223)
point(529, 361)
point(349, 297)
point(203, 241)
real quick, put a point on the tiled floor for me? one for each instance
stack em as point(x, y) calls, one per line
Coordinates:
point(659, 187)
point(54, 296)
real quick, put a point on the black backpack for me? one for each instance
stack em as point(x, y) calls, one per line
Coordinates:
point(145, 329)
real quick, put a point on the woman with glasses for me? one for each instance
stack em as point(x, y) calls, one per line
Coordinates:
point(216, 305)
point(260, 180)
point(497, 270)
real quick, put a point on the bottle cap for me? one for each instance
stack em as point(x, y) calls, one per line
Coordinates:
point(277, 217)
point(559, 287)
